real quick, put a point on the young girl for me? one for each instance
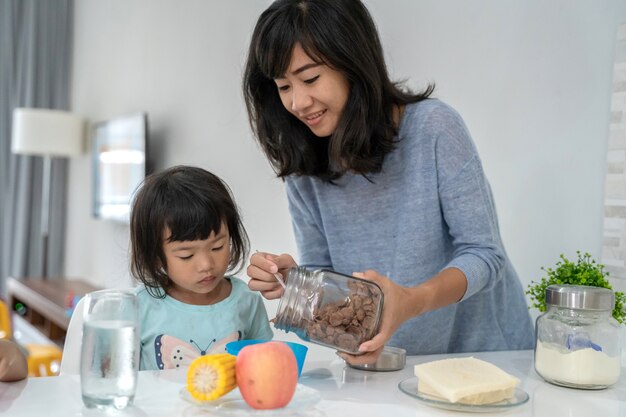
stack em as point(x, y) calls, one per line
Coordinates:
point(186, 235)
point(379, 178)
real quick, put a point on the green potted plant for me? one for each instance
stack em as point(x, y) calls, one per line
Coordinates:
point(585, 271)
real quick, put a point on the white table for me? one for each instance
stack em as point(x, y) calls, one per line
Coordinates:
point(344, 392)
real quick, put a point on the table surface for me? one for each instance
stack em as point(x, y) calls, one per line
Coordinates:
point(344, 392)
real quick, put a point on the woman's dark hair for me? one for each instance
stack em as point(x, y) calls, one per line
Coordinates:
point(342, 35)
point(191, 203)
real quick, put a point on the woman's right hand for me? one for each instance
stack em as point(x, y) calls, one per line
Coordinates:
point(261, 271)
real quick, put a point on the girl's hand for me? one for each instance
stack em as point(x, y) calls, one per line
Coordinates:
point(261, 271)
point(396, 311)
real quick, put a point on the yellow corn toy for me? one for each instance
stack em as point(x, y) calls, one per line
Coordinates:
point(211, 376)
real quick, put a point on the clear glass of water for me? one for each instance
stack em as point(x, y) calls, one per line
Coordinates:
point(109, 358)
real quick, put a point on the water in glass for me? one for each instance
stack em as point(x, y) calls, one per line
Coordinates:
point(109, 358)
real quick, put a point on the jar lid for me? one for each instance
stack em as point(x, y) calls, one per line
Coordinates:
point(390, 359)
point(580, 297)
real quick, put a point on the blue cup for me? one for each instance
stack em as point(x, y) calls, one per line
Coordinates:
point(298, 350)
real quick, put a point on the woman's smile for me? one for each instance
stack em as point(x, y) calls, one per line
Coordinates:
point(315, 118)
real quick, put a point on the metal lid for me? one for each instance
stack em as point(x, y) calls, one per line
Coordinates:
point(580, 297)
point(390, 359)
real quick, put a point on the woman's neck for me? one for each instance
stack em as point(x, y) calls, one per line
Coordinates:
point(397, 112)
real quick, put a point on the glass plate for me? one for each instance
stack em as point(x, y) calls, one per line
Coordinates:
point(409, 387)
point(233, 405)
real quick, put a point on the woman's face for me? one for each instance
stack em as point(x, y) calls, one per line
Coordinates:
point(315, 93)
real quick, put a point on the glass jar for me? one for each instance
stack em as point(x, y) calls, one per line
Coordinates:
point(330, 309)
point(578, 342)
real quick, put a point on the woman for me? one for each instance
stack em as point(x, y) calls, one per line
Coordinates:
point(381, 182)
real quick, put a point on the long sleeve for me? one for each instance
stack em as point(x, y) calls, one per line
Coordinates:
point(468, 208)
point(429, 208)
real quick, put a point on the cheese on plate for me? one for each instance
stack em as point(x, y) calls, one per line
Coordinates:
point(465, 380)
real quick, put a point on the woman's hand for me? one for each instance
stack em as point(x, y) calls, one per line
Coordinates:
point(396, 310)
point(261, 271)
point(402, 303)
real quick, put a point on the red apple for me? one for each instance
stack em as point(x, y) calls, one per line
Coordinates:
point(267, 375)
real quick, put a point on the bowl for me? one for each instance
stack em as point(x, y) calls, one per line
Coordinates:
point(298, 350)
point(390, 359)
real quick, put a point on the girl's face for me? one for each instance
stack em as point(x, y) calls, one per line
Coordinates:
point(315, 93)
point(196, 268)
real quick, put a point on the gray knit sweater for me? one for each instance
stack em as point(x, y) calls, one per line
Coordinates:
point(430, 208)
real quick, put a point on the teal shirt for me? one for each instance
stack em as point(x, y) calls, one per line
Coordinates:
point(174, 333)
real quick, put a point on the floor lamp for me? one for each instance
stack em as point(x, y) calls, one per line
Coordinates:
point(49, 134)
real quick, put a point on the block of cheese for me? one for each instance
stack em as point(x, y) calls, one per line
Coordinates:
point(465, 380)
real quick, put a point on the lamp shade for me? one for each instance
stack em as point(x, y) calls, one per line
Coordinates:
point(46, 132)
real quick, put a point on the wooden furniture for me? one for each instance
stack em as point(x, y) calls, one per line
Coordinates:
point(44, 304)
point(44, 359)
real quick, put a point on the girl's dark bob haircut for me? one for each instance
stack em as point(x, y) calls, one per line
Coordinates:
point(342, 35)
point(191, 202)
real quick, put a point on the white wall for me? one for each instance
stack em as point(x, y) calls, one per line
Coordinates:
point(181, 63)
point(531, 78)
